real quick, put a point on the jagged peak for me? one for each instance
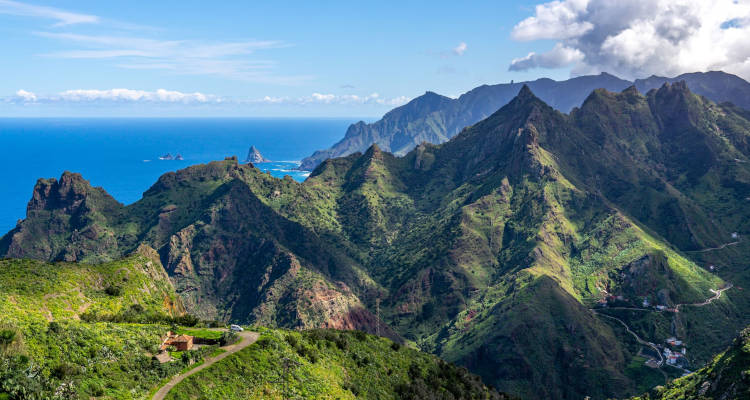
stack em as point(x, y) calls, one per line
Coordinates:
point(670, 92)
point(67, 192)
point(525, 94)
point(680, 86)
point(373, 151)
point(631, 90)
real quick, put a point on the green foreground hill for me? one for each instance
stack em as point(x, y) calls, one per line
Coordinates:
point(329, 364)
point(71, 331)
point(58, 338)
point(489, 250)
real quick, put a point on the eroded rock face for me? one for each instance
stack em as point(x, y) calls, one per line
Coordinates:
point(254, 156)
point(71, 211)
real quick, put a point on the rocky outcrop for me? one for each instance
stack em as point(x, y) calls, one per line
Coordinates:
point(254, 156)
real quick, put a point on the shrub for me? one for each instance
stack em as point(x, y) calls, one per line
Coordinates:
point(54, 327)
point(228, 338)
point(292, 340)
point(113, 291)
point(361, 336)
point(64, 370)
point(7, 337)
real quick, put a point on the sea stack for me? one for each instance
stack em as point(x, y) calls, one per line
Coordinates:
point(254, 156)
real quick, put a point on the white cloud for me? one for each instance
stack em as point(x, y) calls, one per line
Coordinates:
point(329, 98)
point(117, 96)
point(554, 20)
point(162, 96)
point(460, 49)
point(559, 56)
point(187, 57)
point(25, 96)
point(638, 38)
point(63, 18)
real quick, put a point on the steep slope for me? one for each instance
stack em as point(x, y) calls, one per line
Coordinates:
point(727, 377)
point(35, 290)
point(488, 250)
point(229, 253)
point(326, 364)
point(55, 343)
point(427, 120)
point(715, 85)
point(435, 119)
point(56, 338)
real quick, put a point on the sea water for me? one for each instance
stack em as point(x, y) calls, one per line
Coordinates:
point(122, 155)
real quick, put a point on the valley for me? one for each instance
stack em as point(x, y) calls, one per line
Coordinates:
point(533, 217)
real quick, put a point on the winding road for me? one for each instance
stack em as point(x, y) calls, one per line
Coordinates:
point(713, 248)
point(635, 335)
point(717, 294)
point(246, 339)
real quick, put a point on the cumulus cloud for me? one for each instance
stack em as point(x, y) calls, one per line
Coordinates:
point(116, 96)
point(164, 97)
point(62, 17)
point(559, 56)
point(346, 99)
point(638, 38)
point(460, 49)
point(25, 96)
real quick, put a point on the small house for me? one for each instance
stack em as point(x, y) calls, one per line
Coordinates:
point(674, 341)
point(180, 342)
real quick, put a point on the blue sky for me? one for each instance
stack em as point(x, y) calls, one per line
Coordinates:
point(336, 58)
point(258, 50)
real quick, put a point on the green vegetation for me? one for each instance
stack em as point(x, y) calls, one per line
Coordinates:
point(327, 364)
point(727, 376)
point(212, 334)
point(487, 250)
point(47, 349)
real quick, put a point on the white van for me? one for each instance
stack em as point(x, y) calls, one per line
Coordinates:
point(236, 328)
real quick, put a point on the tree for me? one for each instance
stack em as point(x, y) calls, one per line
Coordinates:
point(7, 337)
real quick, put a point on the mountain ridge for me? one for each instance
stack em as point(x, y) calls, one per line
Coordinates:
point(532, 218)
point(439, 122)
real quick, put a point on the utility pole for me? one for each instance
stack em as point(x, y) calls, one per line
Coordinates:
point(377, 316)
point(286, 365)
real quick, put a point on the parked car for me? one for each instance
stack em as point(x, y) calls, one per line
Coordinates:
point(235, 328)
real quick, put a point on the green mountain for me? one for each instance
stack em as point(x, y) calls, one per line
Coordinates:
point(727, 376)
point(488, 250)
point(80, 331)
point(715, 85)
point(58, 336)
point(329, 364)
point(435, 119)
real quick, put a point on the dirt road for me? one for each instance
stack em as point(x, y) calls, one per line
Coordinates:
point(246, 339)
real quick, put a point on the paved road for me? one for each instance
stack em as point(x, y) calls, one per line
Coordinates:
point(246, 339)
point(713, 248)
point(717, 294)
point(635, 335)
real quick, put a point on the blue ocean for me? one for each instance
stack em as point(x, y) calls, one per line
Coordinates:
point(122, 155)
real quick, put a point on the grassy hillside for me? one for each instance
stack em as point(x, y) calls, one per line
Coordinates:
point(488, 250)
point(58, 340)
point(328, 364)
point(726, 377)
point(56, 334)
